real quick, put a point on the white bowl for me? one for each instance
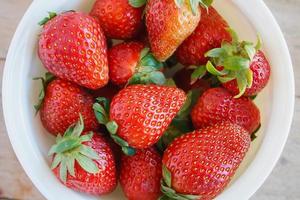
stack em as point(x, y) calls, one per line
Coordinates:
point(31, 143)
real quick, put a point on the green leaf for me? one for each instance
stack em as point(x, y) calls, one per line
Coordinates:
point(58, 138)
point(119, 141)
point(63, 171)
point(46, 19)
point(259, 43)
point(56, 160)
point(242, 85)
point(144, 52)
point(211, 69)
point(129, 151)
point(137, 3)
point(225, 79)
point(206, 3)
point(100, 113)
point(65, 145)
point(89, 152)
point(70, 162)
point(236, 63)
point(112, 127)
point(234, 36)
point(194, 5)
point(253, 97)
point(179, 3)
point(78, 128)
point(170, 82)
point(198, 73)
point(86, 137)
point(135, 79)
point(157, 78)
point(150, 60)
point(249, 77)
point(166, 176)
point(45, 81)
point(216, 53)
point(87, 164)
point(105, 102)
point(251, 51)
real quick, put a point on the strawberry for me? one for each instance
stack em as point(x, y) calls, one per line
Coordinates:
point(139, 114)
point(169, 23)
point(240, 66)
point(210, 33)
point(130, 62)
point(118, 18)
point(61, 103)
point(261, 71)
point(141, 175)
point(83, 161)
point(72, 46)
point(217, 104)
point(200, 164)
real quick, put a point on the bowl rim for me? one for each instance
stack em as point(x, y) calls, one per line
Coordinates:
point(245, 188)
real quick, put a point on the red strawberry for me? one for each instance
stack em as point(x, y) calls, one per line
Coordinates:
point(61, 105)
point(84, 161)
point(72, 46)
point(217, 104)
point(141, 175)
point(169, 23)
point(130, 62)
point(240, 66)
point(261, 71)
point(118, 18)
point(140, 114)
point(202, 163)
point(210, 33)
point(109, 91)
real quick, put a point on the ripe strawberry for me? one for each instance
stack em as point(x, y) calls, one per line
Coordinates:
point(130, 62)
point(84, 161)
point(217, 104)
point(169, 23)
point(72, 46)
point(60, 105)
point(261, 71)
point(240, 66)
point(118, 18)
point(140, 114)
point(199, 165)
point(141, 175)
point(210, 33)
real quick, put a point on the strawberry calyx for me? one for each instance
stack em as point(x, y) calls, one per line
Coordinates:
point(194, 4)
point(137, 3)
point(232, 62)
point(148, 70)
point(51, 15)
point(69, 148)
point(101, 110)
point(169, 192)
point(45, 81)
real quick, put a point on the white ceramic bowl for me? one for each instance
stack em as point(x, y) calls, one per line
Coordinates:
point(31, 143)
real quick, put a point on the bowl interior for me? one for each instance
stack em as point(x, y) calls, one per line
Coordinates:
point(31, 142)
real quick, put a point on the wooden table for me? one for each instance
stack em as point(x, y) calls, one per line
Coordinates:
point(284, 182)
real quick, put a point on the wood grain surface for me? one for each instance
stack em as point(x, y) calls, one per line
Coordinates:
point(282, 184)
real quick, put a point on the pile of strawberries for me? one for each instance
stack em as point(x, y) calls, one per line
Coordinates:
point(167, 112)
